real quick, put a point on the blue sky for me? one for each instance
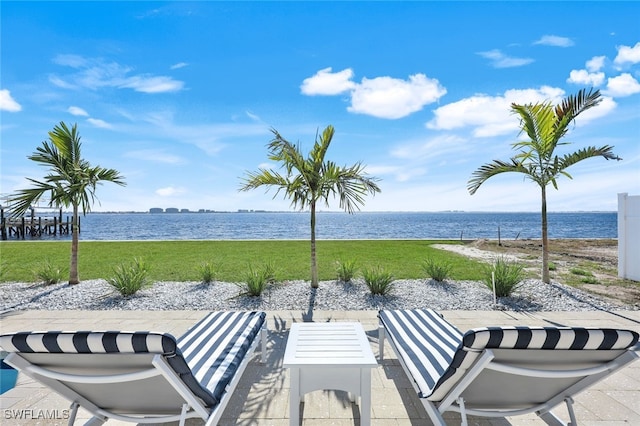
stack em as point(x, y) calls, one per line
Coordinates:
point(180, 96)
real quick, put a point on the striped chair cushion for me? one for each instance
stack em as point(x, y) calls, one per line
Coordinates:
point(425, 342)
point(89, 342)
point(436, 375)
point(215, 347)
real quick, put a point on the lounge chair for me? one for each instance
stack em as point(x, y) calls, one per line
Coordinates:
point(143, 377)
point(501, 371)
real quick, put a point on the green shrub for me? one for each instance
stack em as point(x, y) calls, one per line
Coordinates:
point(346, 270)
point(552, 266)
point(256, 280)
point(438, 271)
point(507, 275)
point(208, 272)
point(378, 280)
point(49, 274)
point(128, 279)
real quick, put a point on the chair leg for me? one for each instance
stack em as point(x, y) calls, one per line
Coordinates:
point(572, 415)
point(381, 341)
point(463, 412)
point(434, 414)
point(95, 421)
point(72, 414)
point(551, 419)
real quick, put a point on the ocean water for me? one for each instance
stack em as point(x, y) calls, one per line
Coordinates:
point(335, 225)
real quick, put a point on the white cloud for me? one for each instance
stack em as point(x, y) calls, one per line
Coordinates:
point(149, 84)
point(490, 115)
point(95, 73)
point(628, 55)
point(596, 63)
point(553, 40)
point(500, 60)
point(170, 191)
point(179, 65)
point(584, 77)
point(324, 82)
point(387, 97)
point(382, 97)
point(605, 106)
point(434, 147)
point(155, 156)
point(7, 103)
point(74, 110)
point(99, 123)
point(622, 85)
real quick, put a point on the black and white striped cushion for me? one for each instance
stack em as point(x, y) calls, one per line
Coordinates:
point(215, 347)
point(426, 342)
point(89, 342)
point(435, 379)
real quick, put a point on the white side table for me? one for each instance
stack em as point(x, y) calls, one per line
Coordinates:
point(334, 356)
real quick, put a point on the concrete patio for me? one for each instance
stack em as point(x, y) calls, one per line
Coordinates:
point(262, 396)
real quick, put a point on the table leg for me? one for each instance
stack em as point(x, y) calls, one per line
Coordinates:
point(365, 397)
point(294, 397)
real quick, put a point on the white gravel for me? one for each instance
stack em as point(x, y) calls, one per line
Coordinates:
point(532, 295)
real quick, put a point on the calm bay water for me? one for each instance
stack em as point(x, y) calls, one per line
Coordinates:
point(363, 225)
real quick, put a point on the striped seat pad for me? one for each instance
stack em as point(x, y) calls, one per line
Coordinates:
point(215, 347)
point(425, 342)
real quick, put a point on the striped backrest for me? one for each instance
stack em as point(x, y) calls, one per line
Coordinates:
point(425, 342)
point(205, 357)
point(215, 347)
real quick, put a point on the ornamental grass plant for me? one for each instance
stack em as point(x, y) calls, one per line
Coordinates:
point(378, 280)
point(256, 280)
point(208, 272)
point(50, 274)
point(436, 270)
point(346, 270)
point(128, 279)
point(506, 274)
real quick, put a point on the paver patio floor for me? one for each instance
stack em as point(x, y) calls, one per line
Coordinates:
point(262, 396)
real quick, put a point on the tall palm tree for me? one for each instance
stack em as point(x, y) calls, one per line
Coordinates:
point(312, 179)
point(71, 181)
point(545, 125)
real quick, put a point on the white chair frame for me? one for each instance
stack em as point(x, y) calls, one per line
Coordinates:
point(454, 402)
point(192, 406)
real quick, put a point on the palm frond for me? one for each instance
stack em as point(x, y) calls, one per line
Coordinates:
point(494, 168)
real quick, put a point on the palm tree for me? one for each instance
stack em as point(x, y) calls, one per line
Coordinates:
point(545, 125)
point(312, 179)
point(71, 182)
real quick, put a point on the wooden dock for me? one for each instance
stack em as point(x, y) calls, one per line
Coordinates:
point(33, 226)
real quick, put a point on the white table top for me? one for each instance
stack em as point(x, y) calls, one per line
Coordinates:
point(328, 344)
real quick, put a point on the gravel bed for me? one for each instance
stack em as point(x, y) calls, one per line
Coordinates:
point(531, 295)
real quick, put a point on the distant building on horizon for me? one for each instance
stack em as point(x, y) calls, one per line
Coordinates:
point(171, 210)
point(156, 210)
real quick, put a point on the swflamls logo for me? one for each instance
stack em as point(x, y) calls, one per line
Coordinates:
point(31, 414)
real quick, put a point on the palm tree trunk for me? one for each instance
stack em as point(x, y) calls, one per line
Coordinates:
point(73, 267)
point(314, 267)
point(545, 239)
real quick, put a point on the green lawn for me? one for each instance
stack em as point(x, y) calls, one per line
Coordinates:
point(180, 260)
